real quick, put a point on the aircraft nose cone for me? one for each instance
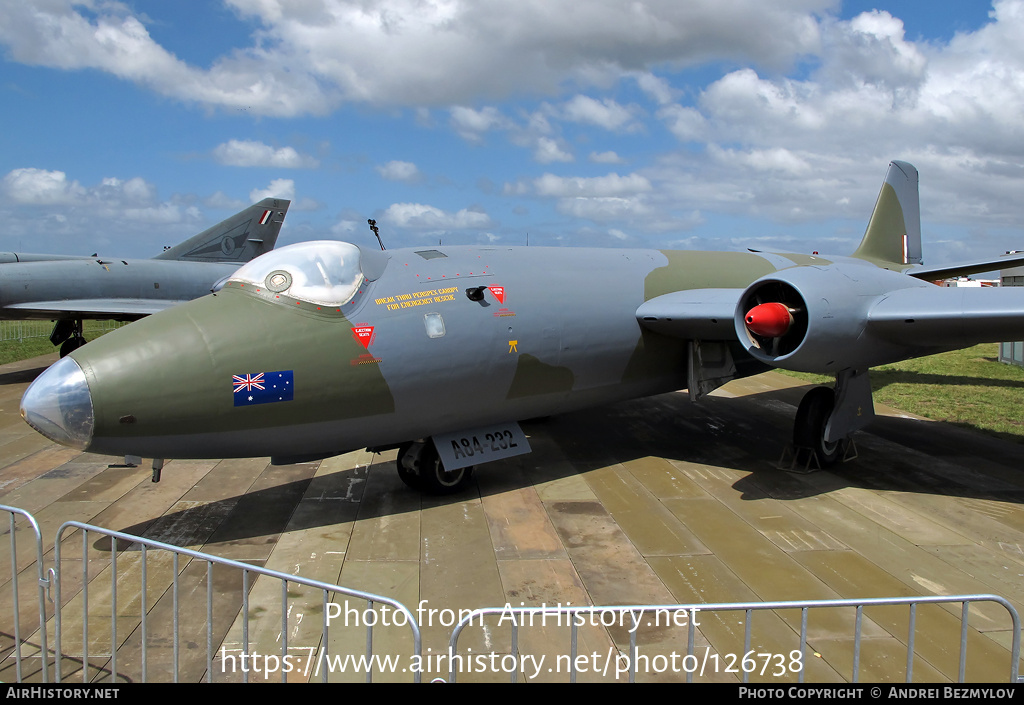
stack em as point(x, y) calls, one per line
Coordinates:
point(58, 405)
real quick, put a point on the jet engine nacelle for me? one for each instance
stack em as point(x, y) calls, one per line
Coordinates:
point(821, 324)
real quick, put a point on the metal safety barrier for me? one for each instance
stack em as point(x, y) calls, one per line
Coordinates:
point(20, 330)
point(246, 569)
point(50, 586)
point(127, 618)
point(748, 661)
point(27, 329)
point(42, 583)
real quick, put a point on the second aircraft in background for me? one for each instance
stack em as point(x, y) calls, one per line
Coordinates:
point(69, 289)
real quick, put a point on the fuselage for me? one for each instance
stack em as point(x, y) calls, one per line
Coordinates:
point(433, 341)
point(98, 288)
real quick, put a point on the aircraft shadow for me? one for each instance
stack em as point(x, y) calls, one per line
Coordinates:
point(745, 434)
point(22, 376)
point(883, 378)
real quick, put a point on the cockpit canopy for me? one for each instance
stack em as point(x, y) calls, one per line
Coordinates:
point(321, 272)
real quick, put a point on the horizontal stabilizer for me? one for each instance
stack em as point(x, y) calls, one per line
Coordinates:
point(697, 314)
point(949, 317)
point(963, 269)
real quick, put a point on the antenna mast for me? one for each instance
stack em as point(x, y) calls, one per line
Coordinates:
point(373, 226)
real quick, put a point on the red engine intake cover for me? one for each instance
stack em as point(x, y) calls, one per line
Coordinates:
point(771, 320)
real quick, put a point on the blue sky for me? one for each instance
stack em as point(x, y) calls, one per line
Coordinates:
point(707, 124)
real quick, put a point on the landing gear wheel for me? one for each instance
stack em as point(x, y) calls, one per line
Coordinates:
point(420, 467)
point(410, 477)
point(70, 345)
point(809, 429)
point(437, 480)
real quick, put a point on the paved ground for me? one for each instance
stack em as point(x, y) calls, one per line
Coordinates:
point(656, 501)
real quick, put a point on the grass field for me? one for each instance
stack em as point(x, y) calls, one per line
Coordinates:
point(13, 350)
point(968, 388)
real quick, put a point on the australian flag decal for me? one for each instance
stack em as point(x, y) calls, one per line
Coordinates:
point(263, 387)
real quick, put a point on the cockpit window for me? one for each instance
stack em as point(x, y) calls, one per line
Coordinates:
point(321, 272)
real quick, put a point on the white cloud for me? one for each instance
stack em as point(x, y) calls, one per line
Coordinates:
point(687, 124)
point(222, 201)
point(278, 188)
point(471, 124)
point(657, 88)
point(519, 188)
point(163, 213)
point(257, 154)
point(548, 150)
point(604, 113)
point(763, 140)
point(345, 228)
point(550, 185)
point(309, 57)
point(399, 171)
point(600, 198)
point(42, 187)
point(871, 48)
point(603, 209)
point(762, 160)
point(425, 217)
point(606, 158)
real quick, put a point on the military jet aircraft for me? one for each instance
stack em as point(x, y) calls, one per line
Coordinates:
point(325, 347)
point(69, 289)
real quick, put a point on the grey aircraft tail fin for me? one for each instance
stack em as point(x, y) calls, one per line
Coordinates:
point(240, 238)
point(893, 235)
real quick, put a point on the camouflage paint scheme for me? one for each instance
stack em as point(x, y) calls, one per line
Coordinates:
point(444, 339)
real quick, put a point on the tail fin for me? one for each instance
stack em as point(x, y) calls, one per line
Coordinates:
point(894, 231)
point(240, 238)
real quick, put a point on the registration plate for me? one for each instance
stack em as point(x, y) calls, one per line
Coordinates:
point(481, 445)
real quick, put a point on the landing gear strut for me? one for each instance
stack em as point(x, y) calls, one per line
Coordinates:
point(826, 419)
point(420, 467)
point(67, 334)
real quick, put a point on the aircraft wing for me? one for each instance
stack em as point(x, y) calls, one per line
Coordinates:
point(97, 308)
point(702, 314)
point(913, 317)
point(953, 316)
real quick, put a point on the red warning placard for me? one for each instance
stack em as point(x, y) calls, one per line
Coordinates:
point(499, 293)
point(364, 334)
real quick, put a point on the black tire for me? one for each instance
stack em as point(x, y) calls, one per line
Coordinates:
point(809, 429)
point(425, 472)
point(409, 477)
point(434, 479)
point(70, 345)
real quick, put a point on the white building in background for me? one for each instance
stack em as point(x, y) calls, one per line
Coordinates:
point(968, 282)
point(1012, 353)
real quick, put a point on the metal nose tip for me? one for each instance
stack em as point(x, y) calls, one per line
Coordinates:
point(59, 406)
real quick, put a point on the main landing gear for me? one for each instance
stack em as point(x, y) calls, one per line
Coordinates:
point(826, 418)
point(809, 429)
point(420, 467)
point(68, 335)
